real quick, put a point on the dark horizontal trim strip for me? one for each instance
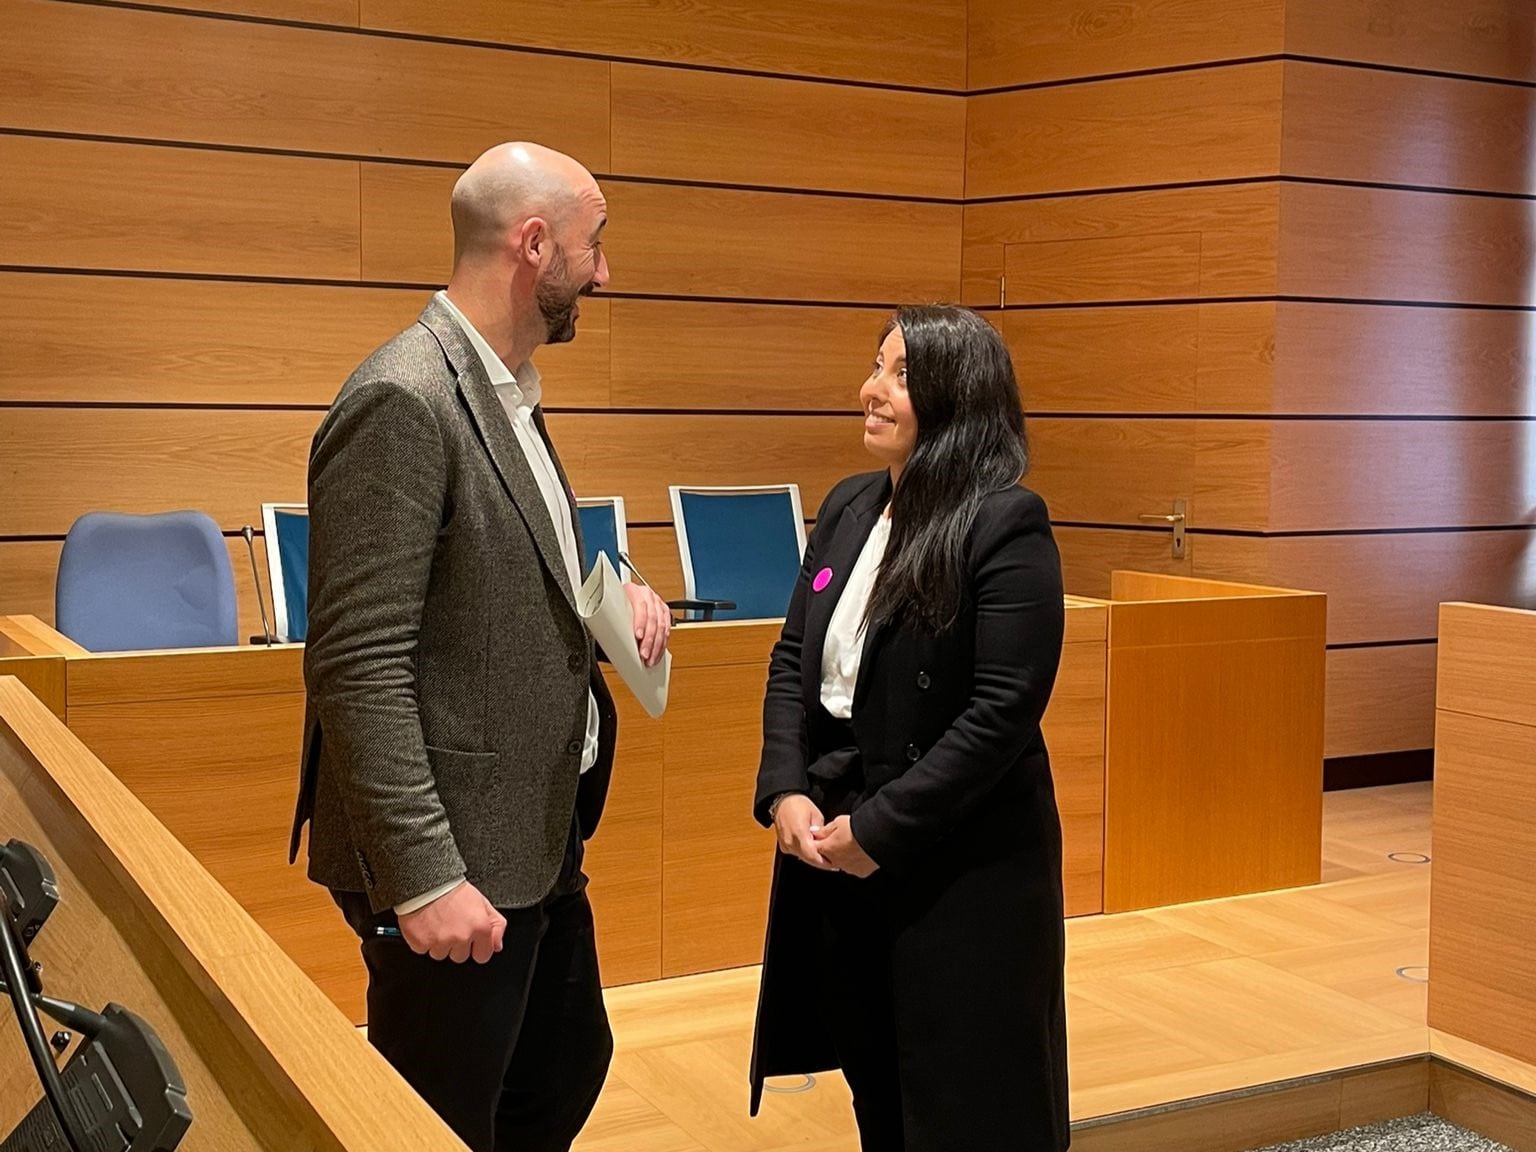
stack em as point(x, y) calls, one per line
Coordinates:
point(1290, 417)
point(821, 413)
point(210, 406)
point(319, 282)
point(1382, 644)
point(1131, 74)
point(1409, 70)
point(1245, 181)
point(1173, 301)
point(456, 166)
point(499, 46)
point(1376, 770)
point(1294, 533)
point(58, 537)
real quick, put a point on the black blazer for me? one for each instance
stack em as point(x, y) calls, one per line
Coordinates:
point(945, 726)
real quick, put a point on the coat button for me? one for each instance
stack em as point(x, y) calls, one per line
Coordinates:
point(574, 747)
point(576, 662)
point(914, 753)
point(924, 681)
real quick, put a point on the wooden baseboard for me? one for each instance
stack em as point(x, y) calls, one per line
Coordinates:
point(1315, 1105)
point(1344, 772)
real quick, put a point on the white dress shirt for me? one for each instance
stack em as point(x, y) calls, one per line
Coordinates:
point(844, 646)
point(519, 394)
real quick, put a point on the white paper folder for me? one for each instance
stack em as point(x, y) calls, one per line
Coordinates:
point(606, 611)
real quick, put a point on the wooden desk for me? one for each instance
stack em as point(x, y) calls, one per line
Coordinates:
point(268, 1062)
point(1482, 915)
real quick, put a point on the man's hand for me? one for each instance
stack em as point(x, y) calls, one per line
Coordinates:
point(455, 927)
point(837, 846)
point(653, 622)
point(797, 821)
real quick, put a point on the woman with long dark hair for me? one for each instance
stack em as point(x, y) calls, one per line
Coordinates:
point(915, 933)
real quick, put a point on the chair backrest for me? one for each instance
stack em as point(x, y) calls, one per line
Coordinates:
point(603, 529)
point(741, 544)
point(128, 583)
point(287, 532)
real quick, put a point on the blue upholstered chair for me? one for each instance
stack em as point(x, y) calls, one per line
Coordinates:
point(287, 531)
point(740, 544)
point(604, 528)
point(129, 583)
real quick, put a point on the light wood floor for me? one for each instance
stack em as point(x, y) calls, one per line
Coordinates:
point(1163, 1005)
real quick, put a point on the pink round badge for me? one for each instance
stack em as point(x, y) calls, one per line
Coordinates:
point(823, 578)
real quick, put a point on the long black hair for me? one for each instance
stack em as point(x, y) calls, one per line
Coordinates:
point(970, 443)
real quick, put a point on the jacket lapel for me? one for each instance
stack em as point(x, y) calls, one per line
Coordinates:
point(494, 428)
point(840, 555)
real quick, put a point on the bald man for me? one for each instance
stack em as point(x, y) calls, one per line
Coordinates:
point(458, 734)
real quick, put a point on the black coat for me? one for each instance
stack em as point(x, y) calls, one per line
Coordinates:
point(949, 789)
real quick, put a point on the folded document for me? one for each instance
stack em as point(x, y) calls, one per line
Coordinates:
point(606, 611)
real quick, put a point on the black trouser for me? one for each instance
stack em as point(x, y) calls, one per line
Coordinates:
point(512, 1053)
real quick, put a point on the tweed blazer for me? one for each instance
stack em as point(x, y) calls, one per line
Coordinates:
point(446, 667)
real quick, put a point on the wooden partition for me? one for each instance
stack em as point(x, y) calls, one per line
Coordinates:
point(269, 1063)
point(1214, 765)
point(1482, 916)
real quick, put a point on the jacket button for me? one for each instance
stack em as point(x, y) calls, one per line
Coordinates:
point(924, 681)
point(574, 747)
point(576, 662)
point(914, 753)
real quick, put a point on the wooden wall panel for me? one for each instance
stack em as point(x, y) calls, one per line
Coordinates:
point(1236, 229)
point(1473, 37)
point(1487, 663)
point(686, 354)
point(1014, 43)
point(1390, 244)
point(96, 205)
point(1464, 133)
point(1401, 474)
point(1214, 124)
point(58, 462)
point(688, 241)
point(166, 76)
point(1110, 471)
point(1397, 360)
point(1380, 700)
point(684, 125)
point(1089, 555)
point(342, 13)
point(918, 43)
point(1386, 586)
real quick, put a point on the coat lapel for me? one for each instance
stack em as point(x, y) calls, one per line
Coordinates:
point(840, 555)
point(494, 427)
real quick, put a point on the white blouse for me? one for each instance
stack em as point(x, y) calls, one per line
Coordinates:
point(844, 645)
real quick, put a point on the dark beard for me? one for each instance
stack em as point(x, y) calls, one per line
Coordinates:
point(557, 301)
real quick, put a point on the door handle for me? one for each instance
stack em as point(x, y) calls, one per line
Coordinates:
point(1177, 520)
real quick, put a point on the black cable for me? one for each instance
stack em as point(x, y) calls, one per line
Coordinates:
point(15, 971)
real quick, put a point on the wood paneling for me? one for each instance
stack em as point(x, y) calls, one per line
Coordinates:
point(1165, 358)
point(686, 241)
point(1013, 43)
point(1383, 587)
point(1401, 474)
point(342, 13)
point(1073, 727)
point(1110, 471)
point(1186, 819)
point(1487, 663)
point(1451, 134)
point(166, 76)
point(1483, 902)
point(686, 354)
point(1061, 271)
point(1089, 555)
point(1380, 700)
point(1216, 124)
point(909, 42)
point(94, 205)
point(58, 463)
point(1395, 360)
point(149, 340)
point(1236, 229)
point(1482, 1106)
point(1388, 244)
point(1474, 37)
point(685, 125)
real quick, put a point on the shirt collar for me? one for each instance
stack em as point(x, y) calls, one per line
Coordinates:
point(522, 389)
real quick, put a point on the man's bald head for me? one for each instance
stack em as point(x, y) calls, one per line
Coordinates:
point(507, 185)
